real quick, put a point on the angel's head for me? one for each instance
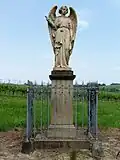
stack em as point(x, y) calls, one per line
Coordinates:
point(63, 10)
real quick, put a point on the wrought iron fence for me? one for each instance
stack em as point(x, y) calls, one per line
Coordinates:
point(85, 102)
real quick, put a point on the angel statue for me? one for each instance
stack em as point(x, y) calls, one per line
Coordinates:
point(62, 31)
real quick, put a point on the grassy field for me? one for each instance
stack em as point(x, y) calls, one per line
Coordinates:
point(13, 113)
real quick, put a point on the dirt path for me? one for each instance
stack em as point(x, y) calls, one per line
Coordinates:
point(10, 145)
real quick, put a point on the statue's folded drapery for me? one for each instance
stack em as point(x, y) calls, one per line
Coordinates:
point(62, 45)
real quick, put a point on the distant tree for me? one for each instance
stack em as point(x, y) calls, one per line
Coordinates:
point(9, 81)
point(114, 84)
point(76, 83)
point(48, 83)
point(35, 82)
point(42, 83)
point(103, 84)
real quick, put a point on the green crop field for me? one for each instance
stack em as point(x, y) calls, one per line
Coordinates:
point(13, 107)
point(13, 113)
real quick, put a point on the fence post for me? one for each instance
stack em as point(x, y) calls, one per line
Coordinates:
point(92, 89)
point(29, 127)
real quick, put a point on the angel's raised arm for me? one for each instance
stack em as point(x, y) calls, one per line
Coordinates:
point(51, 17)
point(50, 22)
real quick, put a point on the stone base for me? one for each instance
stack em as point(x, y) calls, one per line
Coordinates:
point(62, 144)
point(41, 141)
point(61, 131)
point(62, 75)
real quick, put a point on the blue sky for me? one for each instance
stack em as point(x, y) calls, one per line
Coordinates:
point(25, 47)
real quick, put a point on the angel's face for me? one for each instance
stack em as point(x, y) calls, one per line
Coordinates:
point(63, 10)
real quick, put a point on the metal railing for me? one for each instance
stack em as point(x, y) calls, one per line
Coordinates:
point(85, 104)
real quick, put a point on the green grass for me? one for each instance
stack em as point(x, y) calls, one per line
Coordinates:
point(13, 113)
point(109, 114)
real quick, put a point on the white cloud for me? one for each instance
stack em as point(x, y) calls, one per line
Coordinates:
point(84, 17)
point(83, 25)
point(117, 68)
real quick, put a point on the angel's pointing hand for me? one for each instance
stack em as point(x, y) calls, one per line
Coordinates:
point(46, 18)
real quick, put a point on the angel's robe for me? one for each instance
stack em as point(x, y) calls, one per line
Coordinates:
point(62, 41)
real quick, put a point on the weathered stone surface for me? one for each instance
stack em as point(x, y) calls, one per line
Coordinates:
point(42, 141)
point(62, 112)
point(62, 131)
point(61, 99)
point(62, 31)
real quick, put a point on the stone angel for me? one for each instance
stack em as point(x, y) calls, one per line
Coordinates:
point(62, 31)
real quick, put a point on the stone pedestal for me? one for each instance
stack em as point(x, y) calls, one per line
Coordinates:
point(62, 112)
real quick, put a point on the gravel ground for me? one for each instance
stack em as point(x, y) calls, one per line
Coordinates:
point(10, 145)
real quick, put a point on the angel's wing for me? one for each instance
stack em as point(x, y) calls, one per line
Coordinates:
point(73, 18)
point(52, 17)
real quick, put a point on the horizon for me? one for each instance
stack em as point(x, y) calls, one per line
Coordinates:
point(26, 51)
point(19, 82)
